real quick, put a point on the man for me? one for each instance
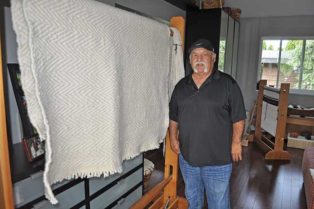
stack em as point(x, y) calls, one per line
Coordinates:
point(206, 124)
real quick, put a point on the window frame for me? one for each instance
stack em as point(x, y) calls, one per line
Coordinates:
point(282, 38)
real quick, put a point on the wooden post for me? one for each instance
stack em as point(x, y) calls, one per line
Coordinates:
point(171, 158)
point(259, 103)
point(171, 169)
point(278, 153)
point(6, 191)
point(169, 184)
point(282, 116)
point(178, 22)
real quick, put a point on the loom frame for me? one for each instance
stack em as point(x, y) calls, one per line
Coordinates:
point(276, 152)
point(168, 186)
point(164, 194)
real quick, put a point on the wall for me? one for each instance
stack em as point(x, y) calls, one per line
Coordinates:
point(154, 8)
point(251, 31)
point(271, 8)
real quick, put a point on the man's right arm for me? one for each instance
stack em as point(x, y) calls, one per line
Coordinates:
point(173, 132)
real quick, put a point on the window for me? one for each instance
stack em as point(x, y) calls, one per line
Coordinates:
point(221, 60)
point(288, 61)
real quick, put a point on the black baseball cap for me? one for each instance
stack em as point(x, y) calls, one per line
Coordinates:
point(202, 43)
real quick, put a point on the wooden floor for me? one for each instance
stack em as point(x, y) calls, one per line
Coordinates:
point(256, 184)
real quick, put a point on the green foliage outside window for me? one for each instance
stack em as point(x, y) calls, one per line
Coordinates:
point(308, 66)
point(296, 62)
point(295, 49)
point(222, 53)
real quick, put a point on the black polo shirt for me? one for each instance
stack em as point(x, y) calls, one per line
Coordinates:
point(205, 117)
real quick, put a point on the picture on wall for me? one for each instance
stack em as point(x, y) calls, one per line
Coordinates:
point(15, 77)
point(34, 148)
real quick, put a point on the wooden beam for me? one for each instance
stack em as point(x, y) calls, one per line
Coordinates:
point(300, 121)
point(6, 191)
point(158, 203)
point(169, 184)
point(301, 112)
point(178, 22)
point(259, 106)
point(174, 204)
point(171, 158)
point(171, 169)
point(151, 194)
point(277, 155)
point(282, 116)
point(276, 152)
point(262, 145)
point(183, 203)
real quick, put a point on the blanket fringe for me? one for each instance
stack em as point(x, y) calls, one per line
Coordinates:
point(89, 174)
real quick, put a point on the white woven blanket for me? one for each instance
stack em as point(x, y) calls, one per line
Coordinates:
point(96, 80)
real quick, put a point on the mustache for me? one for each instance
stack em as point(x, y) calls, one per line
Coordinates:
point(204, 64)
point(200, 63)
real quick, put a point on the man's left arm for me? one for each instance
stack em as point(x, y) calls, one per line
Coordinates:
point(236, 147)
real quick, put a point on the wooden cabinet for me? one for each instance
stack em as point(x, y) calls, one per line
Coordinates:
point(218, 27)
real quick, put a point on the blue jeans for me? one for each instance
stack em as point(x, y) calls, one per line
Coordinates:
point(214, 179)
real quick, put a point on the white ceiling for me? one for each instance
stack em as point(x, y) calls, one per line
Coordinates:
point(270, 8)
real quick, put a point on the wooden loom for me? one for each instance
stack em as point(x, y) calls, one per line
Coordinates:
point(276, 97)
point(164, 194)
point(168, 187)
point(300, 120)
point(6, 189)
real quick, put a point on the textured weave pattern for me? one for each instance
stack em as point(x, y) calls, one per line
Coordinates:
point(97, 82)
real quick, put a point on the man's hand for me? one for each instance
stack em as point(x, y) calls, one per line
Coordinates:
point(175, 145)
point(236, 146)
point(236, 151)
point(174, 141)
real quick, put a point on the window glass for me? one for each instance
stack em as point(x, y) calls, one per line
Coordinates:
point(270, 61)
point(222, 49)
point(290, 62)
point(222, 40)
point(308, 66)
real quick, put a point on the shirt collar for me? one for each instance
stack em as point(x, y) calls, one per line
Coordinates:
point(215, 75)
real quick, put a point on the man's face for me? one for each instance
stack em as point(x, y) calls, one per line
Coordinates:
point(202, 60)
